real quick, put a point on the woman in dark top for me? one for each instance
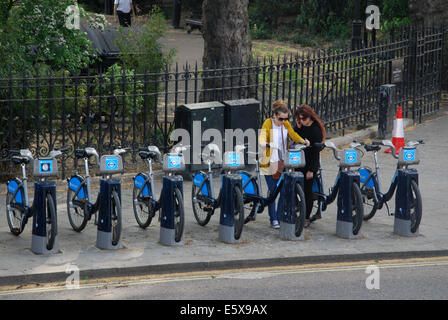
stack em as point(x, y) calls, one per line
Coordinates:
point(309, 126)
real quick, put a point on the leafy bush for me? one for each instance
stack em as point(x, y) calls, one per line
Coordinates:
point(34, 32)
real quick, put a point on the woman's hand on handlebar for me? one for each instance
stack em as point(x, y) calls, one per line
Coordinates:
point(306, 142)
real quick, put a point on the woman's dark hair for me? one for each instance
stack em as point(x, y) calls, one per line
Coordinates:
point(307, 112)
point(279, 106)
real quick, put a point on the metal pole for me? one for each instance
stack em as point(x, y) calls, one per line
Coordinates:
point(357, 27)
point(177, 5)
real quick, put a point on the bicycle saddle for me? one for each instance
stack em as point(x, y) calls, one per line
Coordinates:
point(211, 153)
point(23, 153)
point(20, 160)
point(371, 147)
point(86, 153)
point(151, 152)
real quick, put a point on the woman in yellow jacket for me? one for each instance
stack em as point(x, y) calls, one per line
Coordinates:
point(274, 140)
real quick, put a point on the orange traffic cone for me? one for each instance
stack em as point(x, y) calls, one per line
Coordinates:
point(398, 132)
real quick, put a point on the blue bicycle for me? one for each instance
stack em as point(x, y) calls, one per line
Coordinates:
point(80, 205)
point(322, 199)
point(373, 197)
point(253, 193)
point(203, 195)
point(18, 210)
point(144, 200)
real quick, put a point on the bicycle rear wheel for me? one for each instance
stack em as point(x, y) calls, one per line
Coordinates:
point(51, 221)
point(14, 216)
point(415, 206)
point(77, 213)
point(300, 210)
point(238, 212)
point(202, 212)
point(179, 216)
point(357, 208)
point(143, 209)
point(115, 218)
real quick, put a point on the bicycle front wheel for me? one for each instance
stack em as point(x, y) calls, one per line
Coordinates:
point(179, 216)
point(77, 214)
point(357, 208)
point(415, 206)
point(116, 218)
point(143, 209)
point(300, 210)
point(14, 216)
point(238, 206)
point(51, 221)
point(370, 205)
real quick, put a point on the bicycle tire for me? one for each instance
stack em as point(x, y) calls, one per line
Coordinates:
point(179, 215)
point(14, 214)
point(51, 221)
point(75, 212)
point(358, 208)
point(416, 206)
point(143, 217)
point(367, 195)
point(115, 217)
point(238, 212)
point(202, 216)
point(300, 210)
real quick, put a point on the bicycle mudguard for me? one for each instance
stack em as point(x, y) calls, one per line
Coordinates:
point(248, 183)
point(12, 189)
point(364, 174)
point(198, 181)
point(75, 184)
point(139, 182)
point(317, 187)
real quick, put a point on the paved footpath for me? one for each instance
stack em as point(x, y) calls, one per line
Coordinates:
point(259, 244)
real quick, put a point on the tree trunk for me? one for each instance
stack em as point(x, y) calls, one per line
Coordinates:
point(227, 44)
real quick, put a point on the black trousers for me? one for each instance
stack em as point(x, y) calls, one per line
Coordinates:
point(124, 18)
point(308, 190)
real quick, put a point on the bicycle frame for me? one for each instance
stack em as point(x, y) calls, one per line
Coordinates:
point(379, 197)
point(149, 181)
point(85, 185)
point(258, 198)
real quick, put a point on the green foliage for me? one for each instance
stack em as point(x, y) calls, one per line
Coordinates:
point(140, 48)
point(266, 16)
point(394, 14)
point(35, 33)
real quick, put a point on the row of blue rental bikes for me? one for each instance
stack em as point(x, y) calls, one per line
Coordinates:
point(241, 194)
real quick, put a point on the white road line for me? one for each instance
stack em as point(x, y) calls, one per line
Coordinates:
point(235, 274)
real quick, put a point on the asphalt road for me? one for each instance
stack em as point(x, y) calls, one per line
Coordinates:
point(394, 279)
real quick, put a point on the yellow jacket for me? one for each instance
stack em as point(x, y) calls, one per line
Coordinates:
point(266, 136)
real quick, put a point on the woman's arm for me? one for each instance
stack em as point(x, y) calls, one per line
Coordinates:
point(294, 135)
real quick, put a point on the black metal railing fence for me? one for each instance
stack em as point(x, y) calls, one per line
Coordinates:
point(129, 108)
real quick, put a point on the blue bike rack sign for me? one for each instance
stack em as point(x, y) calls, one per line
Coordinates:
point(45, 166)
point(233, 159)
point(409, 154)
point(111, 163)
point(174, 161)
point(295, 157)
point(351, 156)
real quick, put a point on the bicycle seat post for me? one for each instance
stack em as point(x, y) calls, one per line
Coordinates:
point(25, 183)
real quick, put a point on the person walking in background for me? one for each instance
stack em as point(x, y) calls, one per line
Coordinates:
point(122, 12)
point(274, 139)
point(310, 127)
